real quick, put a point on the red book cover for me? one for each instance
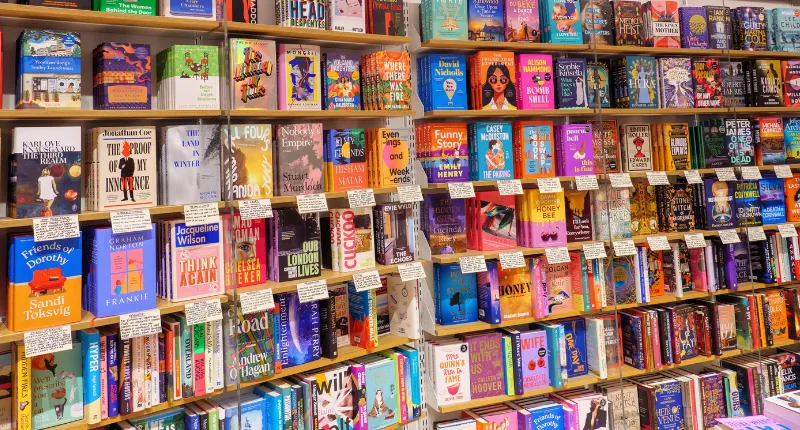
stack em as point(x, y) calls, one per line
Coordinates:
point(247, 265)
point(494, 224)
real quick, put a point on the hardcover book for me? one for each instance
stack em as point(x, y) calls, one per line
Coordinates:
point(768, 139)
point(637, 150)
point(486, 364)
point(190, 164)
point(443, 82)
point(491, 217)
point(299, 77)
point(676, 89)
point(342, 81)
point(294, 245)
point(123, 168)
point(719, 27)
point(385, 17)
point(739, 140)
point(578, 211)
point(536, 81)
point(448, 20)
point(791, 191)
point(254, 76)
point(299, 157)
point(734, 89)
point(628, 23)
point(394, 227)
point(246, 239)
point(443, 222)
point(675, 141)
point(694, 27)
point(561, 21)
point(571, 83)
point(606, 146)
point(515, 292)
point(750, 28)
point(790, 72)
point(791, 139)
point(451, 385)
point(251, 167)
point(773, 209)
point(533, 149)
point(347, 16)
point(644, 210)
point(486, 20)
point(489, 295)
point(662, 27)
point(748, 204)
point(599, 80)
point(642, 82)
point(345, 160)
point(456, 295)
point(597, 20)
point(188, 77)
point(535, 357)
point(611, 213)
point(707, 82)
point(298, 335)
point(522, 21)
point(486, 77)
point(768, 85)
point(575, 342)
point(621, 277)
point(195, 260)
point(49, 69)
point(122, 76)
point(720, 204)
point(251, 337)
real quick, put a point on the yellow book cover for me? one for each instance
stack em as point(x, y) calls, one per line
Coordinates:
point(515, 292)
point(21, 414)
point(777, 310)
point(675, 141)
point(251, 166)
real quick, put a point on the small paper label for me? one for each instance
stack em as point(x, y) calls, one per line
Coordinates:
point(787, 230)
point(692, 177)
point(594, 250)
point(658, 243)
point(729, 236)
point(309, 203)
point(725, 174)
point(751, 173)
point(409, 193)
point(140, 324)
point(361, 198)
point(620, 180)
point(472, 264)
point(461, 190)
point(200, 214)
point(657, 178)
point(624, 247)
point(312, 290)
point(129, 220)
point(256, 301)
point(510, 187)
point(367, 280)
point(203, 311)
point(586, 182)
point(255, 209)
point(411, 271)
point(55, 227)
point(783, 171)
point(512, 260)
point(756, 234)
point(549, 185)
point(695, 240)
point(48, 340)
point(557, 255)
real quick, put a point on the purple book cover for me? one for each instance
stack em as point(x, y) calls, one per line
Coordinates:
point(675, 79)
point(445, 225)
point(449, 153)
point(522, 21)
point(535, 373)
point(535, 80)
point(729, 266)
point(575, 150)
point(694, 27)
point(487, 378)
point(489, 294)
point(122, 76)
point(299, 158)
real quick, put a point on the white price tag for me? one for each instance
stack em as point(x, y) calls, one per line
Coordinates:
point(472, 264)
point(256, 301)
point(312, 290)
point(657, 178)
point(510, 187)
point(594, 250)
point(658, 243)
point(48, 340)
point(55, 227)
point(411, 271)
point(129, 220)
point(512, 260)
point(756, 234)
point(586, 182)
point(409, 193)
point(203, 311)
point(557, 255)
point(361, 198)
point(624, 247)
point(549, 185)
point(692, 177)
point(308, 203)
point(200, 214)
point(783, 171)
point(751, 173)
point(725, 174)
point(620, 180)
point(729, 236)
point(138, 324)
point(461, 190)
point(255, 209)
point(694, 240)
point(367, 280)
point(787, 230)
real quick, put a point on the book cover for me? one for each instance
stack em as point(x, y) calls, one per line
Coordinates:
point(189, 76)
point(534, 149)
point(768, 84)
point(662, 27)
point(386, 17)
point(486, 20)
point(190, 164)
point(720, 205)
point(396, 243)
point(644, 219)
point(642, 81)
point(195, 260)
point(124, 168)
point(246, 240)
point(575, 341)
point(393, 80)
point(575, 150)
point(298, 337)
point(490, 151)
point(486, 364)
point(791, 191)
point(396, 162)
point(750, 28)
point(448, 153)
point(621, 278)
point(734, 89)
point(739, 140)
point(611, 213)
point(493, 220)
point(561, 21)
point(606, 146)
point(536, 80)
point(299, 157)
point(637, 149)
point(559, 288)
point(773, 210)
point(342, 81)
point(597, 74)
point(694, 27)
point(714, 144)
point(382, 404)
point(578, 215)
point(489, 294)
point(446, 81)
point(719, 27)
point(295, 247)
point(251, 167)
point(535, 369)
point(548, 223)
point(456, 295)
point(628, 23)
point(49, 69)
point(254, 338)
point(748, 204)
point(522, 21)
point(675, 83)
point(597, 20)
point(571, 83)
point(790, 72)
point(515, 292)
point(122, 76)
point(345, 160)
point(493, 77)
point(347, 16)
point(254, 76)
point(791, 136)
point(707, 82)
point(680, 205)
point(444, 222)
point(299, 77)
point(57, 388)
point(448, 20)
point(451, 380)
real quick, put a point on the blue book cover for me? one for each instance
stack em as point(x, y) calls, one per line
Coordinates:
point(575, 341)
point(773, 207)
point(119, 271)
point(486, 20)
point(490, 151)
point(621, 277)
point(720, 204)
point(669, 405)
point(694, 27)
point(382, 395)
point(57, 388)
point(112, 342)
point(748, 204)
point(561, 21)
point(571, 83)
point(632, 330)
point(456, 295)
point(299, 330)
point(412, 357)
point(642, 81)
point(547, 416)
point(791, 136)
point(489, 294)
point(282, 391)
point(447, 81)
point(254, 412)
point(90, 351)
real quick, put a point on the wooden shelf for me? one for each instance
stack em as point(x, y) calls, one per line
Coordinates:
point(608, 112)
point(153, 410)
point(522, 114)
point(645, 50)
point(315, 36)
point(97, 115)
point(319, 114)
point(473, 45)
point(329, 276)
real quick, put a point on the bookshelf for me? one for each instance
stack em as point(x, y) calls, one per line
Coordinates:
point(596, 113)
point(329, 276)
point(162, 407)
point(322, 37)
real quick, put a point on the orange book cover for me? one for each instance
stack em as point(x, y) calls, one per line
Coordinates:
point(777, 311)
point(515, 292)
point(791, 191)
point(394, 86)
point(345, 160)
point(655, 268)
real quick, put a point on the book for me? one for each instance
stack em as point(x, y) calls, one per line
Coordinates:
point(599, 81)
point(342, 81)
point(522, 21)
point(299, 341)
point(123, 173)
point(252, 336)
point(768, 141)
point(189, 164)
point(597, 22)
point(52, 403)
point(536, 83)
point(493, 78)
point(490, 151)
point(611, 214)
point(642, 82)
point(675, 83)
point(251, 167)
point(489, 295)
point(767, 83)
point(533, 149)
point(345, 160)
point(561, 21)
point(694, 27)
point(122, 76)
point(661, 27)
point(748, 204)
point(452, 384)
point(734, 89)
point(245, 12)
point(637, 149)
point(739, 140)
point(443, 222)
point(49, 71)
point(574, 150)
point(486, 20)
point(188, 76)
point(347, 16)
point(139, 7)
point(719, 27)
point(299, 157)
point(200, 10)
point(394, 238)
point(515, 292)
point(606, 146)
point(548, 223)
point(571, 83)
point(485, 359)
point(628, 23)
point(294, 245)
point(245, 250)
point(791, 136)
point(447, 20)
point(491, 221)
point(707, 82)
point(773, 209)
point(386, 17)
point(578, 211)
point(535, 353)
point(749, 28)
point(720, 205)
point(456, 295)
point(790, 72)
point(575, 342)
point(299, 77)
point(194, 264)
point(442, 81)
point(253, 73)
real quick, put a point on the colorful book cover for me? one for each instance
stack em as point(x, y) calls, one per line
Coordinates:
point(676, 144)
point(750, 28)
point(299, 77)
point(49, 69)
point(448, 20)
point(633, 343)
point(773, 210)
point(644, 212)
point(385, 17)
point(559, 288)
point(536, 80)
point(637, 149)
point(548, 222)
point(748, 204)
point(493, 77)
point(719, 27)
point(347, 16)
point(621, 278)
point(189, 77)
point(642, 82)
point(707, 82)
point(486, 20)
point(515, 292)
point(489, 294)
point(694, 27)
point(536, 157)
point(451, 384)
point(486, 364)
point(491, 151)
point(575, 150)
point(254, 338)
point(124, 168)
point(247, 240)
point(362, 307)
point(791, 191)
point(790, 71)
point(575, 341)
point(662, 27)
point(713, 390)
point(345, 160)
point(57, 396)
point(611, 213)
point(628, 23)
point(571, 83)
point(734, 91)
point(300, 161)
point(447, 77)
point(251, 166)
point(381, 382)
point(456, 295)
point(720, 204)
point(195, 260)
point(597, 74)
point(739, 140)
point(713, 139)
point(680, 214)
point(393, 80)
point(606, 146)
point(561, 21)
point(495, 225)
point(597, 19)
point(448, 153)
point(668, 402)
point(578, 215)
point(444, 222)
point(675, 83)
point(791, 139)
point(342, 81)
point(522, 21)
point(396, 162)
point(394, 227)
point(298, 338)
point(535, 370)
point(254, 76)
point(768, 84)
point(295, 247)
point(122, 76)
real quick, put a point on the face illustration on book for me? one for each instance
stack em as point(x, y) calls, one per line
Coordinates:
point(499, 91)
point(349, 8)
point(302, 78)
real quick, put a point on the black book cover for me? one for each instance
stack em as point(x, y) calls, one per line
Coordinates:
point(387, 17)
point(719, 27)
point(327, 329)
point(628, 23)
point(767, 89)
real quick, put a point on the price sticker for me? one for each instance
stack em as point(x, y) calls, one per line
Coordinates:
point(692, 177)
point(557, 255)
point(130, 220)
point(624, 247)
point(787, 230)
point(594, 250)
point(256, 301)
point(694, 240)
point(411, 271)
point(55, 227)
point(309, 203)
point(203, 311)
point(461, 190)
point(586, 183)
point(409, 193)
point(657, 178)
point(549, 185)
point(312, 290)
point(756, 234)
point(361, 198)
point(255, 209)
point(47, 340)
point(751, 173)
point(510, 187)
point(367, 280)
point(512, 260)
point(620, 180)
point(138, 324)
point(783, 171)
point(725, 174)
point(729, 236)
point(472, 264)
point(658, 243)
point(200, 214)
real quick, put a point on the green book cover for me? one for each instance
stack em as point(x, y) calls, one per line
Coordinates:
point(57, 388)
point(445, 19)
point(127, 7)
point(190, 75)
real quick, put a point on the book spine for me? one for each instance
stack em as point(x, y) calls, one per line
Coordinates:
point(209, 356)
point(517, 351)
point(90, 346)
point(138, 374)
point(199, 359)
point(112, 376)
point(126, 385)
point(359, 374)
point(162, 368)
point(187, 360)
point(103, 377)
point(401, 382)
point(147, 383)
point(219, 356)
point(22, 415)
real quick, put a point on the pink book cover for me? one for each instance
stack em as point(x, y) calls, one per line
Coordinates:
point(536, 286)
point(654, 333)
point(535, 80)
point(501, 420)
point(497, 227)
point(559, 288)
point(549, 224)
point(575, 150)
point(197, 257)
point(522, 21)
point(103, 379)
point(697, 265)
